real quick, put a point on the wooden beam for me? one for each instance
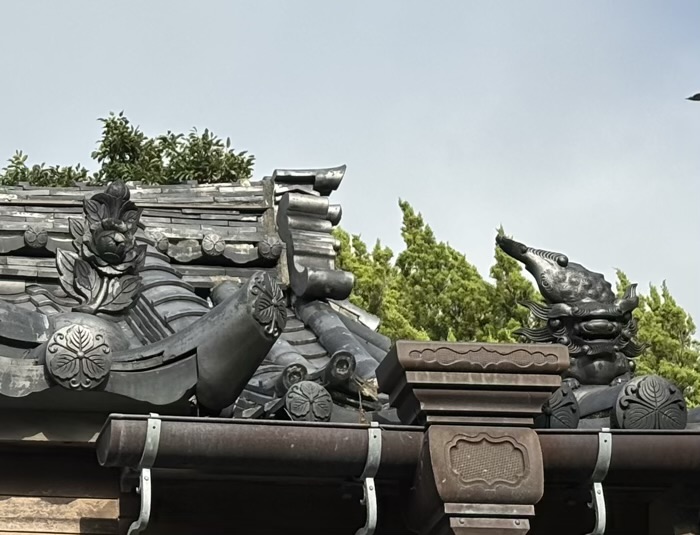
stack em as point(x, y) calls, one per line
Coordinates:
point(58, 515)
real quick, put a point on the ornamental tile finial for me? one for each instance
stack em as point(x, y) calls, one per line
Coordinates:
point(101, 274)
point(581, 312)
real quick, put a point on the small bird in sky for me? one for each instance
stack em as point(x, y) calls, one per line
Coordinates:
point(694, 97)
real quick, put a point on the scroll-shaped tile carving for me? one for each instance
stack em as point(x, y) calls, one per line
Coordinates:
point(185, 251)
point(77, 358)
point(650, 402)
point(322, 180)
point(309, 401)
point(487, 460)
point(11, 242)
point(304, 226)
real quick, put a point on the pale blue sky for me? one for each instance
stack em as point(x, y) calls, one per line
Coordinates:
point(564, 121)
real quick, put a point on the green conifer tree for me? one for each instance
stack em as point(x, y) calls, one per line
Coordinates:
point(446, 295)
point(377, 285)
point(668, 332)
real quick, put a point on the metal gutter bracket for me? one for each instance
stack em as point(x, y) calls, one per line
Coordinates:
point(599, 473)
point(374, 455)
point(148, 457)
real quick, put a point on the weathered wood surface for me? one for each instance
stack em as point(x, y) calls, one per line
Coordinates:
point(56, 489)
point(34, 426)
point(58, 515)
point(3, 532)
point(41, 470)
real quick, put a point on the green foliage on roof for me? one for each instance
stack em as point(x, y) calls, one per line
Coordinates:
point(125, 152)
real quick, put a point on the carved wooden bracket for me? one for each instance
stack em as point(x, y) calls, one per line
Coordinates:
point(471, 383)
point(484, 479)
point(476, 480)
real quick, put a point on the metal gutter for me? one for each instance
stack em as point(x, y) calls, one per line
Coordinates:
point(655, 456)
point(296, 449)
point(259, 448)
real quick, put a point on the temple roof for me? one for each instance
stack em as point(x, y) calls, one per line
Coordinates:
point(226, 300)
point(198, 237)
